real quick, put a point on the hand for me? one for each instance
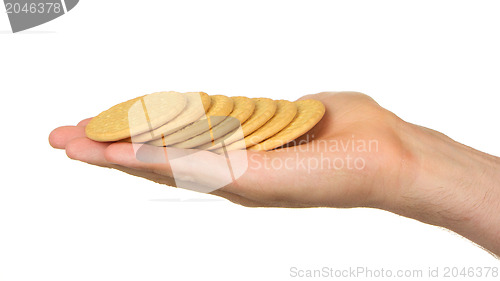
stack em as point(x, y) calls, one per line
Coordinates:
point(350, 118)
point(358, 155)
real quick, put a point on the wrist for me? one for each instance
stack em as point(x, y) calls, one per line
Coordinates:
point(451, 185)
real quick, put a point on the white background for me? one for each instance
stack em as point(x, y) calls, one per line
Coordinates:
point(434, 63)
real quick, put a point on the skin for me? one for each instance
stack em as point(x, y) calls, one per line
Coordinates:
point(412, 171)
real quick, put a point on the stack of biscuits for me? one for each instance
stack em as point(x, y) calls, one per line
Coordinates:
point(209, 122)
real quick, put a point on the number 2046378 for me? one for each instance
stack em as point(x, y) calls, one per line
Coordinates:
point(33, 8)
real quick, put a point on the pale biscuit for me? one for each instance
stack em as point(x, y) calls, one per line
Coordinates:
point(135, 116)
point(309, 113)
point(197, 105)
point(264, 110)
point(285, 112)
point(243, 109)
point(220, 108)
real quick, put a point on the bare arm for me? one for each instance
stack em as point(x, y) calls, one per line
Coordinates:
point(451, 185)
point(412, 171)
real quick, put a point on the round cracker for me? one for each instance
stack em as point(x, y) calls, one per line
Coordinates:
point(285, 112)
point(264, 110)
point(309, 113)
point(242, 110)
point(197, 105)
point(221, 107)
point(135, 116)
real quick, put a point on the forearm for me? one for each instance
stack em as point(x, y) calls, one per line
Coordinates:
point(451, 185)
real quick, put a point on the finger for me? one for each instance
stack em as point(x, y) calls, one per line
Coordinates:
point(156, 159)
point(171, 182)
point(203, 171)
point(92, 152)
point(84, 122)
point(87, 150)
point(206, 172)
point(59, 137)
point(151, 158)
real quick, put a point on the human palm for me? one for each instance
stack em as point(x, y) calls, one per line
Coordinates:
point(353, 157)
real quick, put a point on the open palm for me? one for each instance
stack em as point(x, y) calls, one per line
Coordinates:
point(353, 157)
